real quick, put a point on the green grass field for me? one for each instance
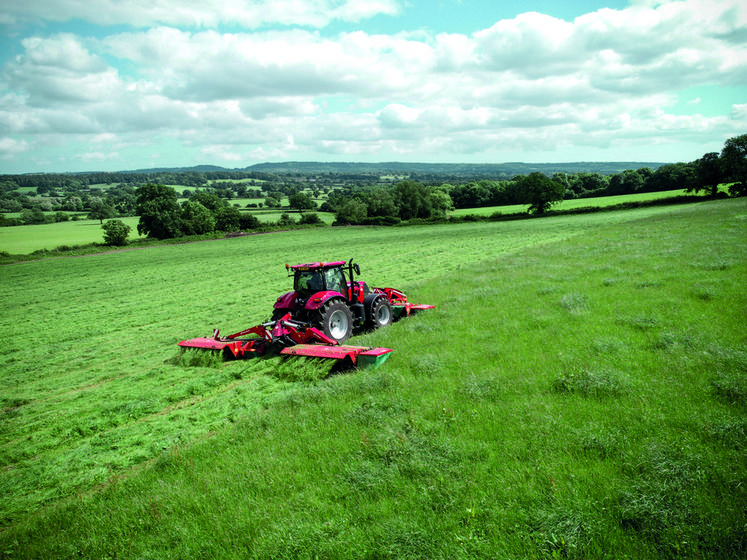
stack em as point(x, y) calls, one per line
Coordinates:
point(22, 240)
point(580, 391)
point(575, 203)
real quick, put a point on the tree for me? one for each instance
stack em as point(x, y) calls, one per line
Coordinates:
point(311, 218)
point(115, 232)
point(670, 177)
point(627, 182)
point(249, 221)
point(286, 220)
point(228, 218)
point(380, 202)
point(33, 216)
point(472, 195)
point(301, 201)
point(123, 203)
point(72, 204)
point(540, 192)
point(734, 157)
point(708, 174)
point(159, 211)
point(412, 200)
point(197, 219)
point(100, 210)
point(592, 184)
point(272, 202)
point(440, 203)
point(209, 200)
point(353, 211)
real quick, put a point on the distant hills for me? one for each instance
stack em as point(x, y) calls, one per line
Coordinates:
point(515, 168)
point(508, 169)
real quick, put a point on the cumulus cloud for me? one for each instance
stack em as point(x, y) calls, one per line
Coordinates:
point(533, 82)
point(11, 146)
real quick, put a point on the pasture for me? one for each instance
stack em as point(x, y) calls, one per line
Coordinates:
point(21, 240)
point(579, 391)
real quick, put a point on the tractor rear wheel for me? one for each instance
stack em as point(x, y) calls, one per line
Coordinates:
point(336, 321)
point(381, 314)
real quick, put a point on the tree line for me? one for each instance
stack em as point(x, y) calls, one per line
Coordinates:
point(409, 199)
point(207, 208)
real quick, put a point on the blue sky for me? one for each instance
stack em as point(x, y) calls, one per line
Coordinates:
point(112, 85)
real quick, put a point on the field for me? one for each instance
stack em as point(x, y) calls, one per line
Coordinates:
point(576, 203)
point(580, 391)
point(27, 239)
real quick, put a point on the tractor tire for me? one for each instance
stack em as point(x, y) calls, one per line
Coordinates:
point(380, 314)
point(278, 314)
point(336, 321)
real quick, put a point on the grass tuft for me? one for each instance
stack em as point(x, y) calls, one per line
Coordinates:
point(482, 388)
point(575, 303)
point(731, 388)
point(598, 384)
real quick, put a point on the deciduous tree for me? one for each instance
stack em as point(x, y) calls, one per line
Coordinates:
point(734, 156)
point(301, 201)
point(197, 219)
point(709, 174)
point(159, 211)
point(540, 192)
point(115, 232)
point(228, 218)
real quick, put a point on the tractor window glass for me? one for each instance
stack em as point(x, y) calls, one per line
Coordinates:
point(334, 279)
point(310, 281)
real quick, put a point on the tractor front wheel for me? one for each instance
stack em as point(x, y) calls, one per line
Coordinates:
point(337, 321)
point(278, 314)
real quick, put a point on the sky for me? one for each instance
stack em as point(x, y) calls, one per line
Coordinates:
point(110, 85)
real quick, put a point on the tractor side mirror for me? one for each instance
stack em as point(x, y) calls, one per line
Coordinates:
point(357, 269)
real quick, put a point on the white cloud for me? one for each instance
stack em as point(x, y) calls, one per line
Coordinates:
point(529, 83)
point(197, 13)
point(98, 156)
point(220, 153)
point(10, 147)
point(738, 113)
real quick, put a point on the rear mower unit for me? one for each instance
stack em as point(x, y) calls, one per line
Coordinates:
point(326, 305)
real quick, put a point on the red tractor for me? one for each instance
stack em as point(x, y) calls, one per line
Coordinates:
point(327, 296)
point(313, 320)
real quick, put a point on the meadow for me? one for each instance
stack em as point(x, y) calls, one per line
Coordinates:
point(27, 239)
point(580, 391)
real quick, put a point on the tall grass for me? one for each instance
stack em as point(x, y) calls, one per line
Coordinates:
point(572, 395)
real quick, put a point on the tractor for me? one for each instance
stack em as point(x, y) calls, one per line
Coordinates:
point(327, 303)
point(327, 296)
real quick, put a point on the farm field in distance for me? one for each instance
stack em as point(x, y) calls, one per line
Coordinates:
point(580, 391)
point(19, 240)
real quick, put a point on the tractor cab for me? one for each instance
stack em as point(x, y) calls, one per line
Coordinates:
point(309, 279)
point(312, 278)
point(327, 296)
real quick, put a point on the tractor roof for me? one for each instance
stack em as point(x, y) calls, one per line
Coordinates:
point(312, 266)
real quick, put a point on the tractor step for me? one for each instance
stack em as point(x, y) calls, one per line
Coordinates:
point(360, 356)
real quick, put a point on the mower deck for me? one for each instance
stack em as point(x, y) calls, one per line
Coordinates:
point(360, 356)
